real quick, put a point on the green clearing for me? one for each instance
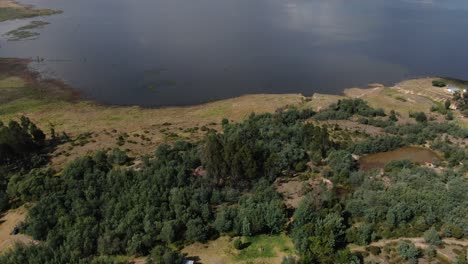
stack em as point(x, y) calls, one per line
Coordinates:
point(9, 13)
point(265, 246)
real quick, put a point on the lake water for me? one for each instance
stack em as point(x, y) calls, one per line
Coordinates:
point(414, 154)
point(180, 52)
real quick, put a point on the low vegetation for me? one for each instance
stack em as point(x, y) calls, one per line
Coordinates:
point(224, 184)
point(439, 83)
point(25, 32)
point(11, 10)
point(206, 178)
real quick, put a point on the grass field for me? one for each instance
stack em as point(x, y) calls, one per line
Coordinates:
point(260, 249)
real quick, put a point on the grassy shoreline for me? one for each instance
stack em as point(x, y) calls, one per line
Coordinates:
point(10, 9)
point(54, 103)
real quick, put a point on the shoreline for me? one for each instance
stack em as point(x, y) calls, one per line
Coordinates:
point(11, 9)
point(21, 68)
point(54, 103)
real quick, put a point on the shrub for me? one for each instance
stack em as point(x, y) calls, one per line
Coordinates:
point(374, 250)
point(449, 116)
point(408, 251)
point(237, 243)
point(430, 252)
point(432, 237)
point(439, 83)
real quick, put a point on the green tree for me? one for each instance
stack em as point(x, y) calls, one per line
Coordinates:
point(196, 230)
point(408, 251)
point(168, 232)
point(420, 117)
point(246, 230)
point(393, 116)
point(432, 237)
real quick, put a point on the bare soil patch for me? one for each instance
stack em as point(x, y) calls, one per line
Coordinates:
point(8, 221)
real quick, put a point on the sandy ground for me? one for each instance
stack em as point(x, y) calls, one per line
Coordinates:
point(9, 3)
point(8, 221)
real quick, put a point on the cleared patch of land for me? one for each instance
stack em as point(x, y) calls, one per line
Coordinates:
point(294, 189)
point(260, 249)
point(8, 221)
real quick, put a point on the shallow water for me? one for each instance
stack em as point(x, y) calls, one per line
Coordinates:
point(180, 52)
point(415, 154)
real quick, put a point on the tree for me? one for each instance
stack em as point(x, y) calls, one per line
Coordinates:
point(449, 115)
point(447, 104)
point(246, 231)
point(118, 157)
point(196, 230)
point(393, 116)
point(439, 83)
point(275, 217)
point(168, 232)
point(225, 219)
point(164, 255)
point(430, 252)
point(237, 243)
point(420, 117)
point(342, 163)
point(432, 237)
point(408, 251)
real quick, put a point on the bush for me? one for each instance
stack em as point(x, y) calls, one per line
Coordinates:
point(237, 243)
point(432, 237)
point(439, 83)
point(430, 252)
point(118, 157)
point(374, 250)
point(419, 116)
point(408, 251)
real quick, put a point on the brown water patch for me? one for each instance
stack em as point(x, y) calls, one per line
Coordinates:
point(414, 154)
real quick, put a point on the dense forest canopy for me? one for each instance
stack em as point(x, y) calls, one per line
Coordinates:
point(96, 207)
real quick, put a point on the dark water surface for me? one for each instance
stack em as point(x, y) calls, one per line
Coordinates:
point(179, 52)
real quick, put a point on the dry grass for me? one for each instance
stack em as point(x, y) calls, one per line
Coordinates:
point(8, 221)
point(263, 249)
point(9, 3)
point(320, 101)
point(53, 103)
